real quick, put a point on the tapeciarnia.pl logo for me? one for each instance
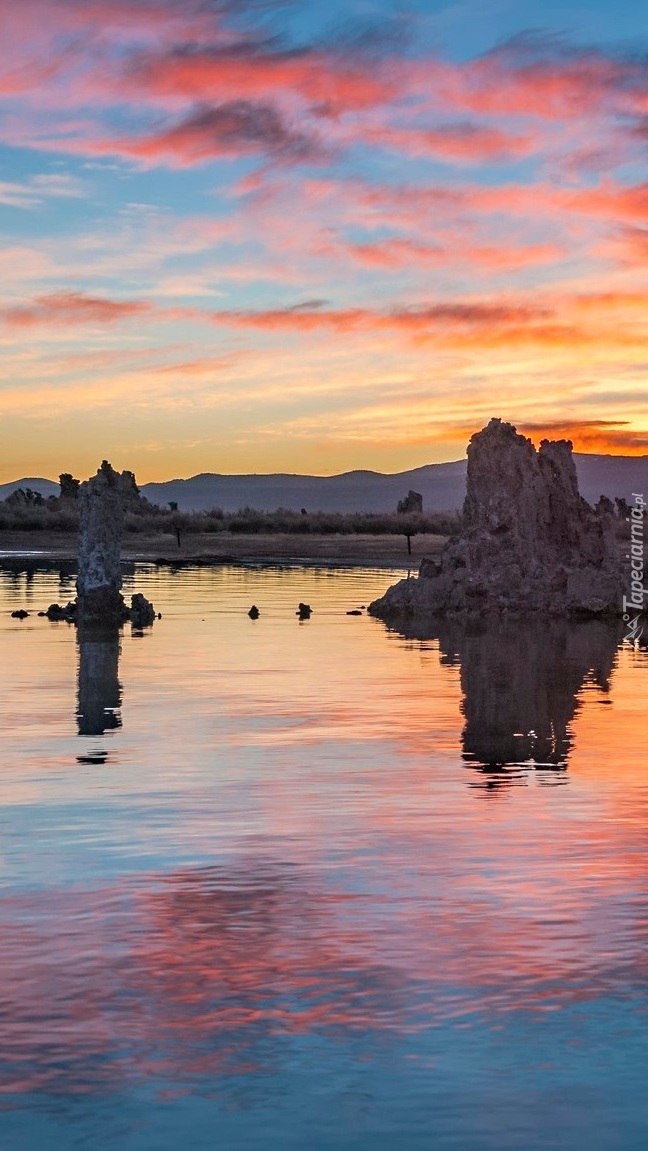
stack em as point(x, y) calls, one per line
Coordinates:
point(633, 605)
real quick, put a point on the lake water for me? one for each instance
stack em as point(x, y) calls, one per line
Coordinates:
point(318, 884)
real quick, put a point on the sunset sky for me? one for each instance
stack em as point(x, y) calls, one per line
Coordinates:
point(255, 236)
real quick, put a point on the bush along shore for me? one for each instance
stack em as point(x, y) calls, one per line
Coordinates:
point(404, 538)
point(27, 511)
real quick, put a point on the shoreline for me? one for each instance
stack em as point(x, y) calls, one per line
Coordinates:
point(383, 551)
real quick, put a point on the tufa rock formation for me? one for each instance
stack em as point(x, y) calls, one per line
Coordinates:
point(99, 600)
point(530, 542)
point(24, 498)
point(142, 612)
point(413, 502)
point(69, 486)
point(99, 578)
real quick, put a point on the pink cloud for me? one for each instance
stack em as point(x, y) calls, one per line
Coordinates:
point(222, 130)
point(71, 308)
point(547, 79)
point(229, 91)
point(404, 253)
point(328, 82)
point(462, 143)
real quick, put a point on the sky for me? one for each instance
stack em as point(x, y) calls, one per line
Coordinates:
point(246, 236)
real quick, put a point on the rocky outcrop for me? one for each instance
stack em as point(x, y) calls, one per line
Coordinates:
point(530, 542)
point(413, 502)
point(24, 498)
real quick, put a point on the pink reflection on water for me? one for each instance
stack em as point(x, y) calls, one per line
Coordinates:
point(343, 878)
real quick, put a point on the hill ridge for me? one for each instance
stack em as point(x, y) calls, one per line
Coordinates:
point(442, 486)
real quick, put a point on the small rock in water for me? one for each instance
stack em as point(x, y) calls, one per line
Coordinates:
point(355, 611)
point(22, 614)
point(142, 613)
point(303, 610)
point(57, 613)
point(254, 612)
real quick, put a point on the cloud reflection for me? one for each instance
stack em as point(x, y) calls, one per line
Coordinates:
point(196, 973)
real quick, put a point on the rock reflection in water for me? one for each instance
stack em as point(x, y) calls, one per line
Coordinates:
point(520, 682)
point(99, 698)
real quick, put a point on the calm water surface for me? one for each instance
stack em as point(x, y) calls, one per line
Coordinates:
point(318, 885)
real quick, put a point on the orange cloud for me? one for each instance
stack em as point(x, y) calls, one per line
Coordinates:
point(460, 325)
point(607, 436)
point(458, 315)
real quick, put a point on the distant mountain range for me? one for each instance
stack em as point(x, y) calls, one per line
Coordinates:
point(441, 485)
point(45, 487)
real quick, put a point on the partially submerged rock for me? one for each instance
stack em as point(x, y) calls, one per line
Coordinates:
point(530, 542)
point(142, 612)
point(57, 613)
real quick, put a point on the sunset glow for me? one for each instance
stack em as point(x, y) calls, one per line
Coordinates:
point(244, 237)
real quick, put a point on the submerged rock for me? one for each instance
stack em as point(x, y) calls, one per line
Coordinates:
point(530, 542)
